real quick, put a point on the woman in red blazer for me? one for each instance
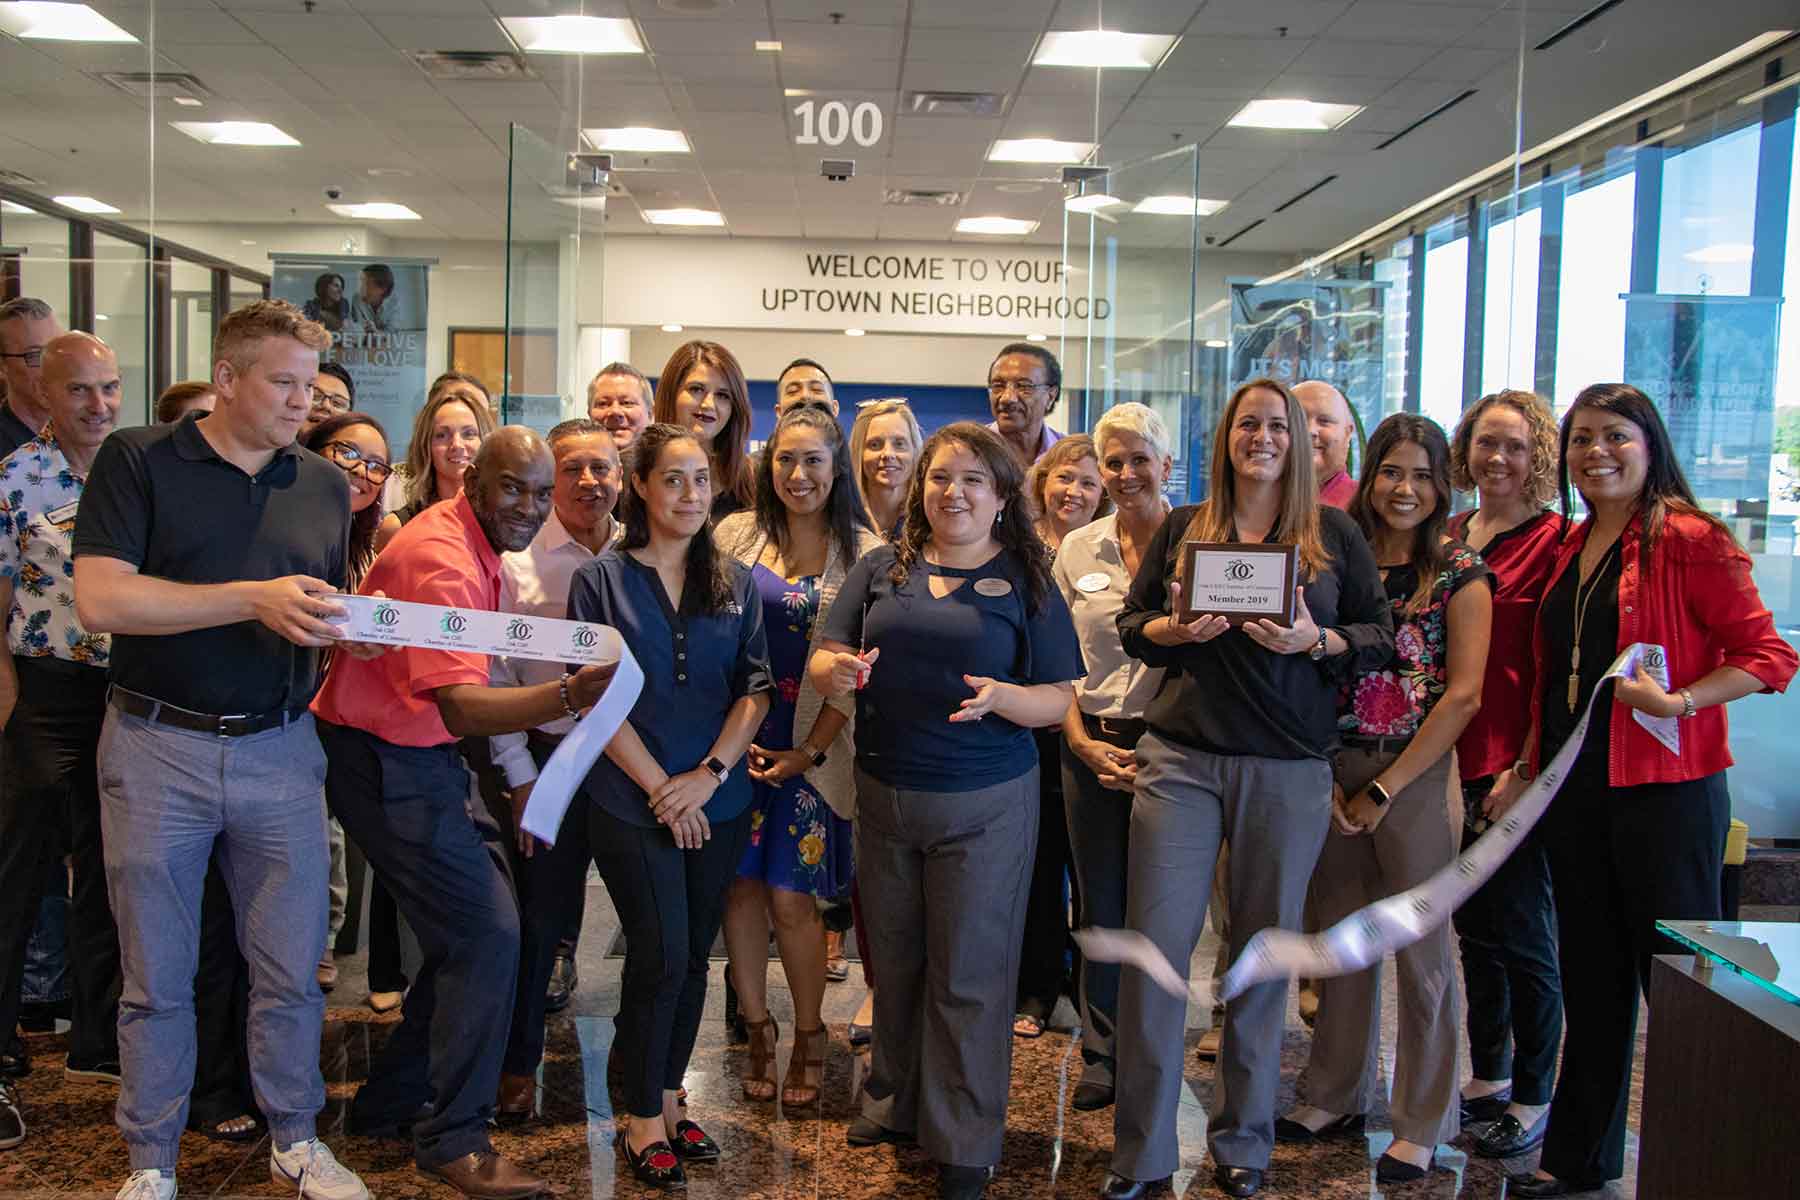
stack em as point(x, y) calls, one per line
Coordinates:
point(1637, 831)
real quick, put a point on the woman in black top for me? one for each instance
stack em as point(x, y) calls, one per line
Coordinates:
point(956, 645)
point(702, 389)
point(1238, 749)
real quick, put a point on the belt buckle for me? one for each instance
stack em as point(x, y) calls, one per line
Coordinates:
point(224, 720)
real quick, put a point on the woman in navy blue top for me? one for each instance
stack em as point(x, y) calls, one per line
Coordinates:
point(956, 645)
point(669, 816)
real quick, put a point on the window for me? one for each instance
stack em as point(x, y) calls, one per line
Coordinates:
point(1596, 271)
point(1509, 326)
point(1709, 216)
point(1441, 353)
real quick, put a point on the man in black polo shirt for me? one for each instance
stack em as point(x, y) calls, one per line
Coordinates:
point(206, 548)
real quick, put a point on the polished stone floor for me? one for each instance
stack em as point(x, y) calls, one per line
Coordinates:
point(1051, 1151)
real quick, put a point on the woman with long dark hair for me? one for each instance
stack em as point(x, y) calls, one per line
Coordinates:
point(356, 443)
point(669, 812)
point(1636, 832)
point(1238, 749)
point(956, 645)
point(702, 389)
point(1504, 451)
point(1396, 809)
point(806, 533)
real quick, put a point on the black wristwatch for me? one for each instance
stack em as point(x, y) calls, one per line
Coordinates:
point(1378, 794)
point(716, 769)
point(817, 756)
point(1317, 653)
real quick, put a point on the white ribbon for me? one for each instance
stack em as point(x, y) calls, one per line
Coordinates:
point(1364, 937)
point(478, 631)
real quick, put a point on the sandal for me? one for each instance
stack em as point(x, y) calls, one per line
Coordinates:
point(221, 1130)
point(759, 1080)
point(807, 1062)
point(1028, 1026)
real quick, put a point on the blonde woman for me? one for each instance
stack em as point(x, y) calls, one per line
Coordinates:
point(885, 444)
point(458, 416)
point(1066, 490)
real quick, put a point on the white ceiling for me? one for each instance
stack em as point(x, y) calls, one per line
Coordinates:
point(337, 78)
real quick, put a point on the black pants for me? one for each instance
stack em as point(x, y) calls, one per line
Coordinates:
point(1508, 934)
point(1099, 838)
point(51, 785)
point(407, 807)
point(1047, 945)
point(386, 974)
point(552, 884)
point(222, 1088)
point(670, 904)
point(1620, 860)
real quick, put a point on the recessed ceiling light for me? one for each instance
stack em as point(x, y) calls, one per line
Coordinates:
point(639, 139)
point(235, 133)
point(375, 210)
point(853, 333)
point(1038, 150)
point(1001, 226)
point(683, 216)
point(671, 328)
point(1092, 202)
point(1307, 115)
point(1178, 206)
point(189, 101)
point(573, 35)
point(1034, 337)
point(1103, 48)
point(769, 47)
point(58, 22)
point(85, 204)
point(1216, 343)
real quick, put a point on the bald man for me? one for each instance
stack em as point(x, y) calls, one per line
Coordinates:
point(53, 702)
point(395, 781)
point(1329, 421)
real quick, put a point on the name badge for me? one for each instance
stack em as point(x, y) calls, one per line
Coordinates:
point(64, 514)
point(1093, 581)
point(993, 587)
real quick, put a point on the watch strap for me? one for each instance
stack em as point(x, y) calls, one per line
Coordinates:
point(717, 769)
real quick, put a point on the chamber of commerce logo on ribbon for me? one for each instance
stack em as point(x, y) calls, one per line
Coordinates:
point(453, 622)
point(386, 616)
point(519, 629)
point(585, 636)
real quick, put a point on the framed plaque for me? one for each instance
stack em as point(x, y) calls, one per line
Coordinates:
point(1240, 581)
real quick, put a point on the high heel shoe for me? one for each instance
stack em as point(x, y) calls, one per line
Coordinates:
point(806, 1068)
point(759, 1078)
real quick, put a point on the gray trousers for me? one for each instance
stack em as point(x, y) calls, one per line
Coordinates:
point(166, 797)
point(1417, 838)
point(944, 879)
point(339, 905)
point(1275, 813)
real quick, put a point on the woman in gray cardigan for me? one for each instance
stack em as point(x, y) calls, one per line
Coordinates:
point(805, 532)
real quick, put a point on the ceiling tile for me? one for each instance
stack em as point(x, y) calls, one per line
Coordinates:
point(989, 14)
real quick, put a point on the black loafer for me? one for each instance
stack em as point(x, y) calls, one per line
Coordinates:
point(1389, 1169)
point(1238, 1181)
point(1090, 1097)
point(1508, 1136)
point(962, 1183)
point(865, 1132)
point(564, 979)
point(1526, 1184)
point(1350, 1125)
point(14, 1062)
point(1486, 1108)
point(659, 1166)
point(691, 1144)
point(1120, 1188)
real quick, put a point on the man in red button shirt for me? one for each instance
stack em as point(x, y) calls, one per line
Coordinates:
point(1331, 427)
point(389, 726)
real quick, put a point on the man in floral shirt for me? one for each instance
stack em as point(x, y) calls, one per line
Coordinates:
point(52, 701)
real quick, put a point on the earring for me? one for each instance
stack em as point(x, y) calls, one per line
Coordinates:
point(997, 517)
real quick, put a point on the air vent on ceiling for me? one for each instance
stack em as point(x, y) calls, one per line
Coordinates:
point(157, 85)
point(943, 197)
point(1591, 14)
point(693, 8)
point(471, 65)
point(952, 104)
point(1240, 233)
point(1439, 111)
point(1283, 207)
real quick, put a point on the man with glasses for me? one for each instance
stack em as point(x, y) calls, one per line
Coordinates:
point(620, 398)
point(26, 327)
point(1024, 384)
point(804, 383)
point(333, 395)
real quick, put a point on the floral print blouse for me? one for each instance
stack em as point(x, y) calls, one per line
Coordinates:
point(1394, 700)
point(39, 494)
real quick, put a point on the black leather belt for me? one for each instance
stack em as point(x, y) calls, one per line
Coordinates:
point(158, 712)
point(1120, 731)
point(1385, 744)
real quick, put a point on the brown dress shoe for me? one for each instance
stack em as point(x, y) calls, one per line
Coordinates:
point(486, 1175)
point(516, 1095)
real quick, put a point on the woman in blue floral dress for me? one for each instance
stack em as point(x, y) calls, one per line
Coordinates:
point(799, 542)
point(1397, 806)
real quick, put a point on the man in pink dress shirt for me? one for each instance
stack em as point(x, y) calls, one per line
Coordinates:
point(1328, 420)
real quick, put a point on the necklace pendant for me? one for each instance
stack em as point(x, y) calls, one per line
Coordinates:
point(1574, 687)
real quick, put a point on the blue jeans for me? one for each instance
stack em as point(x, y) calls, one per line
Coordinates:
point(166, 797)
point(46, 977)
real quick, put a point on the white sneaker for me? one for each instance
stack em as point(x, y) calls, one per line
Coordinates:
point(310, 1167)
point(149, 1184)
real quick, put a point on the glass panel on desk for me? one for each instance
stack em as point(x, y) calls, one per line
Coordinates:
point(1765, 952)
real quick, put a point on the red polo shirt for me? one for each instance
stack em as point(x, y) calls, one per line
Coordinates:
point(442, 557)
point(1338, 491)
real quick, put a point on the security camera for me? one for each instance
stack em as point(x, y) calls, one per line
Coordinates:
point(1210, 239)
point(333, 192)
point(837, 169)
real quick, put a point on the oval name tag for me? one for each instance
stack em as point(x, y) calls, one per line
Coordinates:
point(993, 587)
point(1093, 581)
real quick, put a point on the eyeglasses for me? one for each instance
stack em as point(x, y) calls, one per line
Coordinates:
point(351, 459)
point(324, 399)
point(1026, 389)
point(33, 357)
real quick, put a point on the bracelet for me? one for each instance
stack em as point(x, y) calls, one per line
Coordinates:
point(1687, 703)
point(562, 688)
point(1378, 794)
point(1523, 772)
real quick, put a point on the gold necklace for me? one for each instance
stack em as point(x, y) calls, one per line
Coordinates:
point(1581, 607)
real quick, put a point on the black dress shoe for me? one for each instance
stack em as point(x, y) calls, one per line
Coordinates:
point(692, 1145)
point(1238, 1181)
point(862, 1131)
point(1508, 1136)
point(1389, 1169)
point(658, 1165)
point(1090, 1097)
point(1349, 1125)
point(1120, 1188)
point(962, 1183)
point(1486, 1108)
point(564, 979)
point(14, 1062)
point(1525, 1183)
